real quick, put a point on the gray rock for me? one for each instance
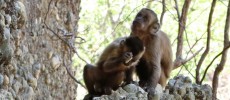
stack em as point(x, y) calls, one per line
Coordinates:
point(8, 20)
point(16, 86)
point(1, 80)
point(36, 69)
point(2, 4)
point(131, 88)
point(55, 62)
point(21, 12)
point(5, 95)
point(178, 88)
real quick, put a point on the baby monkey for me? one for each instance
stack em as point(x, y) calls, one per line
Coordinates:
point(115, 65)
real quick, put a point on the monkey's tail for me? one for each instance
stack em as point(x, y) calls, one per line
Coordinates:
point(86, 76)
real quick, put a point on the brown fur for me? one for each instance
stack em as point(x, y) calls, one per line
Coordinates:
point(114, 66)
point(156, 63)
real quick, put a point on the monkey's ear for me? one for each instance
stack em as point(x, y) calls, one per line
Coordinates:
point(122, 43)
point(155, 28)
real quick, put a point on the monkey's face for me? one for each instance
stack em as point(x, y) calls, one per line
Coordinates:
point(145, 22)
point(134, 45)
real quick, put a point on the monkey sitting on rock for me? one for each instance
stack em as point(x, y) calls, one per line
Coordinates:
point(114, 66)
point(156, 63)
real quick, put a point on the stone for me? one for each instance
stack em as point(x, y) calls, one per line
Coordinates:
point(21, 10)
point(16, 86)
point(6, 81)
point(55, 62)
point(5, 95)
point(29, 93)
point(32, 81)
point(8, 20)
point(1, 80)
point(2, 4)
point(131, 88)
point(36, 67)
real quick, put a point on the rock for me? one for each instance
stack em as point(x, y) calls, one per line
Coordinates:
point(178, 88)
point(36, 69)
point(17, 86)
point(55, 62)
point(21, 14)
point(6, 81)
point(128, 92)
point(131, 88)
point(1, 80)
point(12, 92)
point(32, 81)
point(8, 20)
point(5, 95)
point(2, 4)
point(29, 93)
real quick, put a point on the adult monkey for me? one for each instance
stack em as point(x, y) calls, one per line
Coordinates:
point(156, 63)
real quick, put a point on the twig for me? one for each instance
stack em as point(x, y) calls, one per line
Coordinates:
point(71, 75)
point(163, 12)
point(68, 44)
point(203, 56)
point(194, 44)
point(177, 9)
point(182, 62)
point(206, 70)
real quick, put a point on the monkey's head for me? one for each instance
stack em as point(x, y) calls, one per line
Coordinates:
point(133, 44)
point(145, 23)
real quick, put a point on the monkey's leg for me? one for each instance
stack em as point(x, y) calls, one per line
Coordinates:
point(89, 78)
point(129, 75)
point(163, 79)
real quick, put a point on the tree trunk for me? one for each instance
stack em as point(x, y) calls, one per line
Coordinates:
point(32, 58)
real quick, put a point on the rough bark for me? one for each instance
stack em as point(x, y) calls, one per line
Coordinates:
point(33, 58)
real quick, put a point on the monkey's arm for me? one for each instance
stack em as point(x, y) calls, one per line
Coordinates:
point(114, 64)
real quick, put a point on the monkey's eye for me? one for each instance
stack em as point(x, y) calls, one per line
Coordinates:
point(139, 14)
point(145, 18)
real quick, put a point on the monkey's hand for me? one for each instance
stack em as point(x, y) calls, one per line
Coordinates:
point(127, 56)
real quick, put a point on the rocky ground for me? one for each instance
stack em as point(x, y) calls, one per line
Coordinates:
point(178, 88)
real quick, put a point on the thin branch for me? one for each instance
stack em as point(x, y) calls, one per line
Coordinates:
point(177, 9)
point(203, 56)
point(182, 62)
point(206, 70)
point(129, 15)
point(163, 12)
point(220, 67)
point(149, 4)
point(71, 75)
point(194, 45)
point(182, 24)
point(67, 43)
point(119, 16)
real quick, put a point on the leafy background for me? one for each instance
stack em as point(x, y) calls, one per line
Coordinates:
point(101, 21)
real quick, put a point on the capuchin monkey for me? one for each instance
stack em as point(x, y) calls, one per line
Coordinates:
point(156, 63)
point(114, 66)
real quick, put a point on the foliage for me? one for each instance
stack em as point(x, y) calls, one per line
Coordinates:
point(104, 20)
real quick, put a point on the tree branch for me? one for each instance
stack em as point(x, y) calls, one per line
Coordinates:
point(182, 62)
point(182, 24)
point(177, 9)
point(203, 56)
point(163, 12)
point(220, 67)
point(206, 70)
